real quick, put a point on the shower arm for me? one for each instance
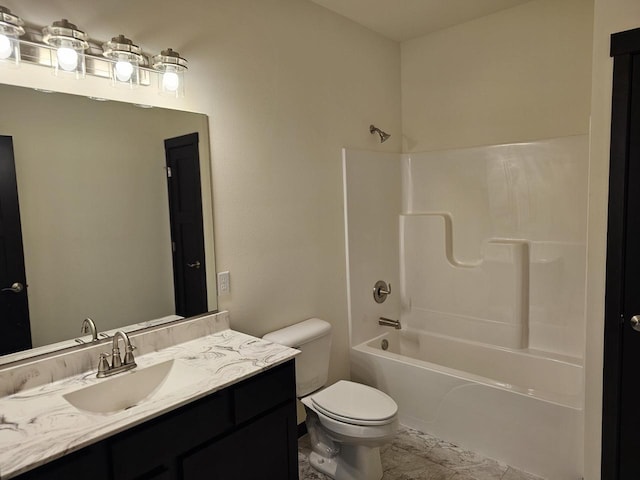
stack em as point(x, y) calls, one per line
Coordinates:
point(384, 136)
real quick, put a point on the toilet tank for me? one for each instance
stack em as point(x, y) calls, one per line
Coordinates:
point(313, 338)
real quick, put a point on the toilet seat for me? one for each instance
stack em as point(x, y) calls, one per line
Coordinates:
point(355, 404)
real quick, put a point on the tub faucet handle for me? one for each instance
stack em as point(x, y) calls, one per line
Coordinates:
point(381, 290)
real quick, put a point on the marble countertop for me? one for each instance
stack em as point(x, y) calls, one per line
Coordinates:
point(38, 425)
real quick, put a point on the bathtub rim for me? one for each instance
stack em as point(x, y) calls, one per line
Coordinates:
point(574, 402)
point(527, 352)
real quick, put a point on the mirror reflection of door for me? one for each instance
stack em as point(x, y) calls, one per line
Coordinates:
point(15, 330)
point(187, 232)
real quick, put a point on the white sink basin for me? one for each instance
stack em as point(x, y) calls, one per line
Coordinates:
point(128, 389)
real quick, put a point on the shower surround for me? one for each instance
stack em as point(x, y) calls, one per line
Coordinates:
point(485, 251)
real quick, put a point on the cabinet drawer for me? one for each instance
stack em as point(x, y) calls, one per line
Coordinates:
point(160, 441)
point(263, 392)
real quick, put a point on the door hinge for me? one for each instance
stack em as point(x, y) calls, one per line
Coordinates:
point(169, 174)
point(173, 247)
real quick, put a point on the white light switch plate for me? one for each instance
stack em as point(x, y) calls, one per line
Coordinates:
point(224, 283)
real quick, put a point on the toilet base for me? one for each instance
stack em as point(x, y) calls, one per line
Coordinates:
point(354, 462)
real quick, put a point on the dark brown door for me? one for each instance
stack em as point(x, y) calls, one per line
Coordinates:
point(187, 232)
point(15, 331)
point(621, 400)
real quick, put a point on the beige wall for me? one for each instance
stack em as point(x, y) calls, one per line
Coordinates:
point(519, 74)
point(286, 84)
point(610, 16)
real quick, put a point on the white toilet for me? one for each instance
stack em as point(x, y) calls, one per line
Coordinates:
point(347, 422)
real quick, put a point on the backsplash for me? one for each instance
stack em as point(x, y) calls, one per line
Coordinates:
point(50, 368)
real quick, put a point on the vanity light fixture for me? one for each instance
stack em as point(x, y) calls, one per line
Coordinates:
point(171, 67)
point(69, 43)
point(126, 60)
point(68, 50)
point(10, 29)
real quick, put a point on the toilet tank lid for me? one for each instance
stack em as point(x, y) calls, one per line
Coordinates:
point(299, 333)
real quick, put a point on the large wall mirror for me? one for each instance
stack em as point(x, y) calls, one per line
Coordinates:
point(94, 208)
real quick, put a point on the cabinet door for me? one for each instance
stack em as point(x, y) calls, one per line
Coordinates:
point(263, 450)
point(155, 445)
point(161, 474)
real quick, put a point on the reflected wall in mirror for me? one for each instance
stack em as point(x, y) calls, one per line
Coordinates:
point(94, 209)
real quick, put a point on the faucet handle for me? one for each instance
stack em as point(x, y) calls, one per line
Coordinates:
point(103, 363)
point(128, 356)
point(129, 359)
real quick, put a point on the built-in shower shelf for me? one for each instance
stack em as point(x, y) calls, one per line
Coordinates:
point(485, 301)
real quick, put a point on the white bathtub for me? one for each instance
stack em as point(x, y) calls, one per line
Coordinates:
point(520, 407)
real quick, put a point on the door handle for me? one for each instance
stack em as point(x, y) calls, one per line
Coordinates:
point(15, 288)
point(194, 265)
point(635, 323)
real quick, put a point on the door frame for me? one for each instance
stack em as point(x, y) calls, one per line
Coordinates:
point(623, 46)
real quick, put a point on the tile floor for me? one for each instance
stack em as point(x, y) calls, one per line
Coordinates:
point(418, 456)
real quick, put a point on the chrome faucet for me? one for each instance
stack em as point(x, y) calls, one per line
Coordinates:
point(387, 322)
point(89, 326)
point(117, 364)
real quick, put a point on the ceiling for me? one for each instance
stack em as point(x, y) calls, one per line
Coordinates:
point(406, 19)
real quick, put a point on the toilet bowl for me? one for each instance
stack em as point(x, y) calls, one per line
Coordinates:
point(347, 422)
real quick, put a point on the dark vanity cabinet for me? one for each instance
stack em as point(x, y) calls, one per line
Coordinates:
point(246, 431)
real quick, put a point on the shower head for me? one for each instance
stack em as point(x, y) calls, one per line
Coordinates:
point(384, 136)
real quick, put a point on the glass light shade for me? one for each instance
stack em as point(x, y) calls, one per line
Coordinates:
point(69, 45)
point(171, 68)
point(10, 29)
point(170, 81)
point(126, 59)
point(6, 49)
point(123, 70)
point(67, 59)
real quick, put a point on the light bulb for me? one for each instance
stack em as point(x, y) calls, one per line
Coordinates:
point(124, 70)
point(170, 81)
point(67, 59)
point(5, 47)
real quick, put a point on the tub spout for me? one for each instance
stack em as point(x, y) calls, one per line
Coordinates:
point(387, 322)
